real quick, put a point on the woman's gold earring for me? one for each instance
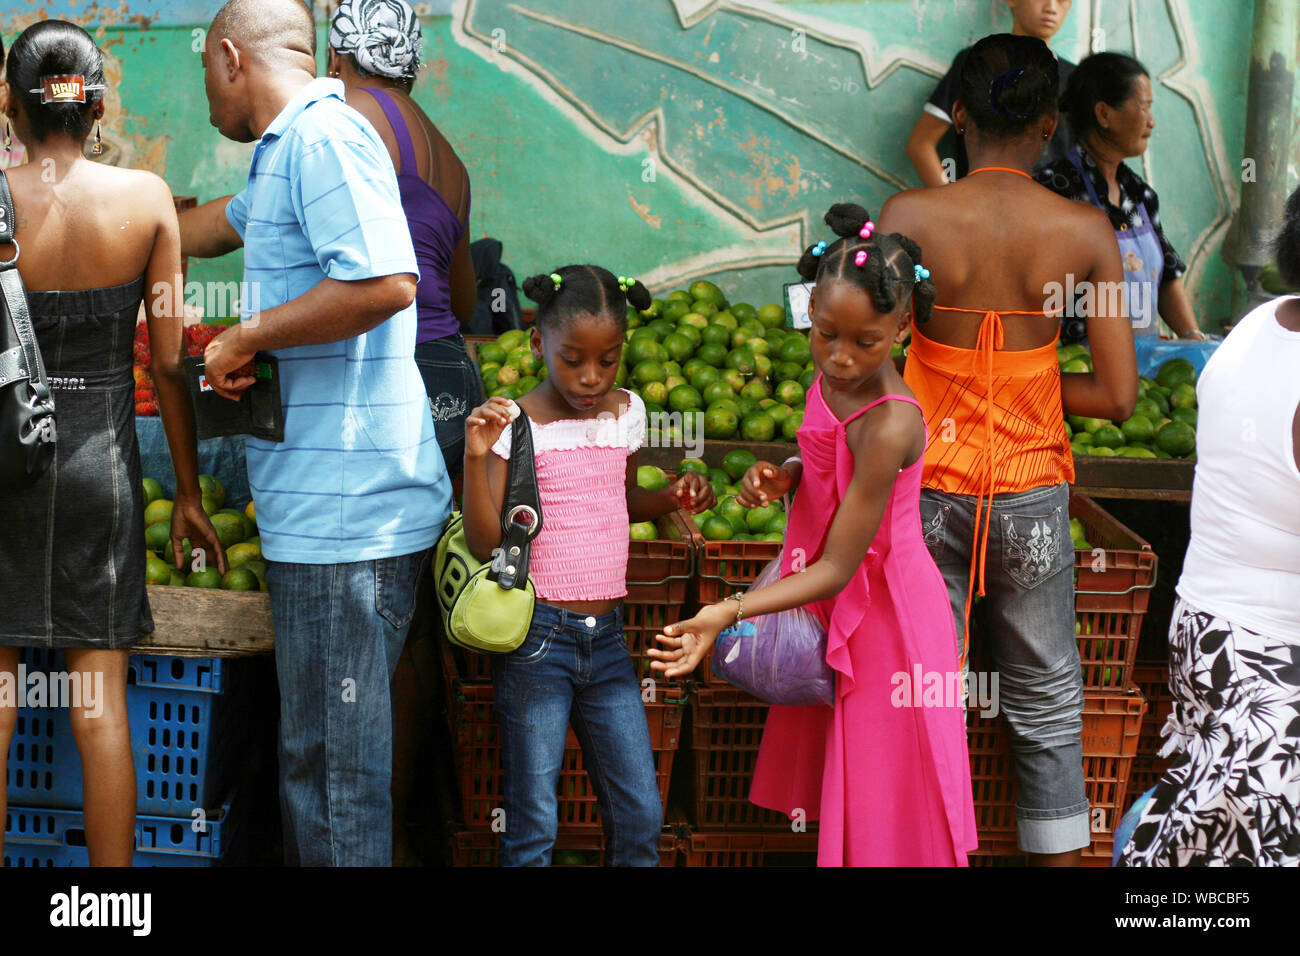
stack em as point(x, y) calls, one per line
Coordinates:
point(99, 143)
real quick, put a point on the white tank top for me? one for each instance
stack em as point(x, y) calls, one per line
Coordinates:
point(1243, 562)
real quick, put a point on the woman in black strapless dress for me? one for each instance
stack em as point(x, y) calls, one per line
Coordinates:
point(72, 550)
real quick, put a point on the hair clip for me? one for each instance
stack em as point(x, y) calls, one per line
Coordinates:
point(625, 283)
point(555, 277)
point(860, 259)
point(65, 88)
point(919, 273)
point(818, 249)
point(867, 229)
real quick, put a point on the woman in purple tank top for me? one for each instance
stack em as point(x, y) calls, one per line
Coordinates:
point(375, 51)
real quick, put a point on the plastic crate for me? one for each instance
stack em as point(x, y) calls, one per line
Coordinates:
point(659, 574)
point(1153, 681)
point(186, 723)
point(726, 728)
point(1111, 724)
point(1111, 592)
point(757, 848)
point(476, 748)
point(479, 848)
point(43, 836)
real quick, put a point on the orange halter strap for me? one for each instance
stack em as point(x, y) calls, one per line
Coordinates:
point(1003, 169)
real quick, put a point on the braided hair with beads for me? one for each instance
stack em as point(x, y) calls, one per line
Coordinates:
point(888, 272)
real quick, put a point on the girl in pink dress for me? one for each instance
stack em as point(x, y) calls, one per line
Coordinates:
point(885, 770)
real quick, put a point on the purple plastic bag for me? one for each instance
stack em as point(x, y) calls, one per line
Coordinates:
point(779, 658)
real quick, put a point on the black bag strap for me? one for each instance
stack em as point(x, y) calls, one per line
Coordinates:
point(28, 357)
point(521, 512)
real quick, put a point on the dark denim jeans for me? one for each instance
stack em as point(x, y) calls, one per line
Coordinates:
point(1029, 610)
point(573, 667)
point(339, 629)
point(451, 380)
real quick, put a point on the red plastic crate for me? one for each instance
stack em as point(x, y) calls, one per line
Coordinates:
point(1112, 588)
point(1111, 724)
point(659, 574)
point(726, 728)
point(758, 848)
point(479, 848)
point(476, 748)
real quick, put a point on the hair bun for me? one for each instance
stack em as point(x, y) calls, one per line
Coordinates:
point(847, 219)
point(540, 288)
point(638, 296)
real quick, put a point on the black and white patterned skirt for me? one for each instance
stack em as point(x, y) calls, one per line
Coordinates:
point(1232, 795)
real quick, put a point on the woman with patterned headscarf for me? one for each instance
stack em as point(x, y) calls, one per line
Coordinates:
point(375, 51)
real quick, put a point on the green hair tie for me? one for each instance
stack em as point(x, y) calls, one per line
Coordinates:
point(555, 277)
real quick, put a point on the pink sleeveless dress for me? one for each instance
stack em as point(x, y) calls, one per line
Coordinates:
point(887, 777)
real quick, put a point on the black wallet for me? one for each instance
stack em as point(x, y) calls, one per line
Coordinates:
point(257, 413)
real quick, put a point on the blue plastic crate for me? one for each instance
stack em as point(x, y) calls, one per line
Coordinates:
point(187, 732)
point(42, 836)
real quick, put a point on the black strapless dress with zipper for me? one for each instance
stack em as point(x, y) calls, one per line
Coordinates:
point(72, 549)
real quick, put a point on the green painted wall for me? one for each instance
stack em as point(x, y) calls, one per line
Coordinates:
point(674, 139)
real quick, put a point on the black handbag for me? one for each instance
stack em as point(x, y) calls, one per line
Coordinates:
point(27, 432)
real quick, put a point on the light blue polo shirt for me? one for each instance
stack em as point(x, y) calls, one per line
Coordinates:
point(359, 475)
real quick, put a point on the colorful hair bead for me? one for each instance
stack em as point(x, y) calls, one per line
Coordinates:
point(555, 277)
point(625, 283)
point(861, 258)
point(867, 229)
point(818, 249)
point(919, 273)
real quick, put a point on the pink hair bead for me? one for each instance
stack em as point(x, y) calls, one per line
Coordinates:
point(860, 259)
point(866, 231)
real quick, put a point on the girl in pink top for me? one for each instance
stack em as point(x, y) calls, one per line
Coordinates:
point(886, 769)
point(574, 666)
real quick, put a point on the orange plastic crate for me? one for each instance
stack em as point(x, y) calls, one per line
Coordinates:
point(479, 848)
point(1111, 724)
point(758, 848)
point(726, 728)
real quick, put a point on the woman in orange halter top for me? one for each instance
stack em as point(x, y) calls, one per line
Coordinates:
point(995, 487)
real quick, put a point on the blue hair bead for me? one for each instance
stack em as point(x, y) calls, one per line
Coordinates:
point(919, 273)
point(818, 249)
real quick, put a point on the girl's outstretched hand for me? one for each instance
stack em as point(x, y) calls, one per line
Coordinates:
point(693, 492)
point(486, 423)
point(763, 482)
point(688, 642)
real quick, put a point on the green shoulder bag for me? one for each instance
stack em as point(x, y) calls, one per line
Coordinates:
point(488, 607)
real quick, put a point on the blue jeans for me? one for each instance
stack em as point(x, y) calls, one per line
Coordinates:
point(451, 380)
point(573, 667)
point(339, 629)
point(1029, 608)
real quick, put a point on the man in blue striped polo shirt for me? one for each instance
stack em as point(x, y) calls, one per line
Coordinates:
point(349, 504)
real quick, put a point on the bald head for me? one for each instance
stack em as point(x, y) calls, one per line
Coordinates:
point(266, 29)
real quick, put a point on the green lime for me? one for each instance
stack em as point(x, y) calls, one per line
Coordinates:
point(692, 320)
point(748, 406)
point(651, 478)
point(1109, 436)
point(779, 414)
point(648, 371)
point(720, 422)
point(157, 538)
point(758, 427)
point(210, 505)
point(726, 320)
point(679, 294)
point(703, 289)
point(1138, 430)
point(512, 339)
point(731, 509)
point(715, 335)
point(790, 427)
point(759, 518)
point(156, 511)
point(1082, 424)
point(1183, 396)
point(763, 367)
point(489, 353)
point(156, 571)
point(1136, 451)
point(644, 531)
point(1101, 451)
point(489, 375)
point(1187, 415)
point(242, 552)
point(1176, 371)
point(685, 398)
point(691, 334)
point(696, 465)
point(772, 316)
point(229, 528)
point(787, 372)
point(795, 349)
point(706, 309)
point(807, 378)
point(257, 567)
point(209, 577)
point(673, 381)
point(662, 328)
point(715, 391)
point(715, 355)
point(1147, 409)
point(1160, 396)
point(717, 529)
point(737, 462)
point(1177, 438)
point(675, 309)
point(209, 487)
point(742, 360)
point(756, 389)
point(655, 393)
point(644, 349)
point(741, 337)
point(175, 578)
point(508, 375)
point(777, 523)
point(1076, 365)
point(761, 348)
point(240, 579)
point(152, 491)
point(791, 394)
point(743, 310)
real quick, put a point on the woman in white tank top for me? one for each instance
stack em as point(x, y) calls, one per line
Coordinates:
point(1232, 795)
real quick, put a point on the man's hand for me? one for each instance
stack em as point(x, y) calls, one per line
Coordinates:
point(227, 364)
